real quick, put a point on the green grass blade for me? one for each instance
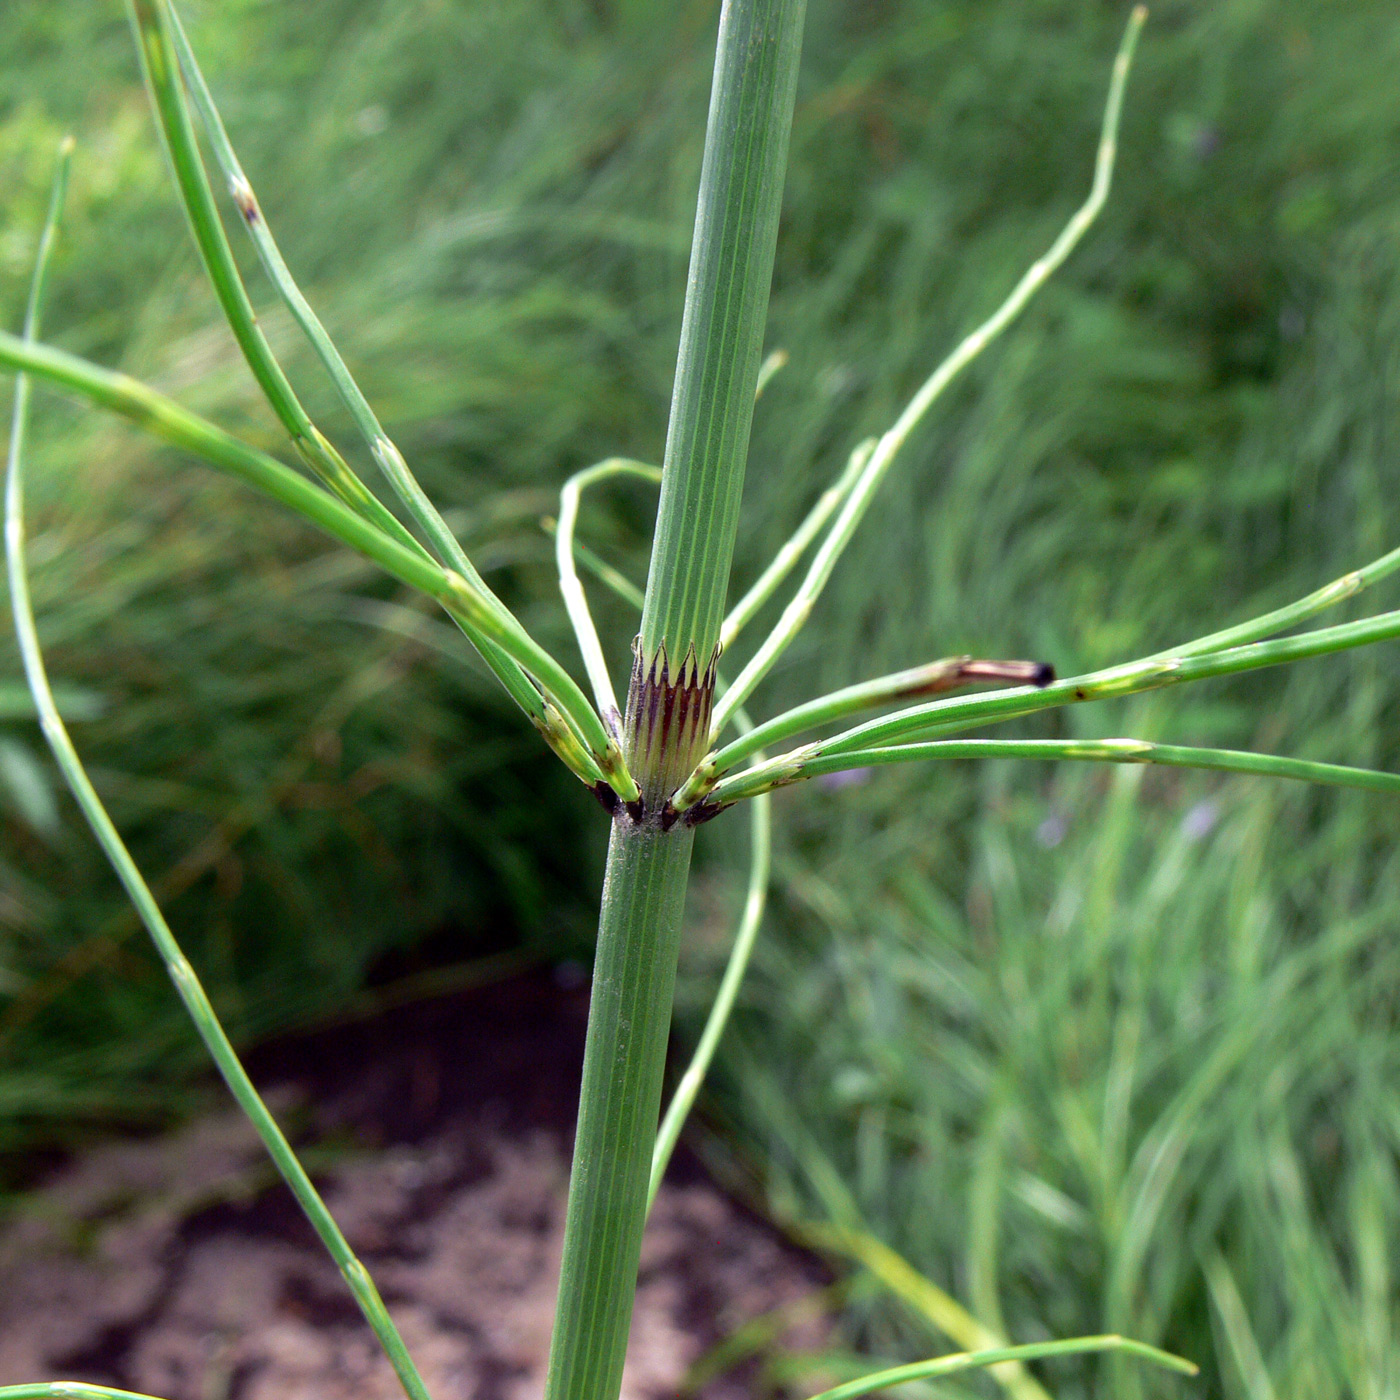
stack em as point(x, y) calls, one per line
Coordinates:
point(887, 449)
point(976, 1360)
point(187, 984)
point(797, 767)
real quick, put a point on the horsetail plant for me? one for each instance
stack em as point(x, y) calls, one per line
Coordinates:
point(661, 762)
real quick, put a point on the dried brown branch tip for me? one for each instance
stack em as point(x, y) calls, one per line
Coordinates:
point(667, 728)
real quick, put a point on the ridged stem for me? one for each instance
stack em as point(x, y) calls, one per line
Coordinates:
point(634, 975)
point(731, 268)
point(667, 724)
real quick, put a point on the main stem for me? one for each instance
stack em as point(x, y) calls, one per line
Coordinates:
point(670, 696)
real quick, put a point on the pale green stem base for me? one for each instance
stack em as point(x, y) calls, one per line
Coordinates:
point(634, 976)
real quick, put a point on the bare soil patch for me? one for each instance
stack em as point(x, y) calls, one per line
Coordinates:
point(439, 1134)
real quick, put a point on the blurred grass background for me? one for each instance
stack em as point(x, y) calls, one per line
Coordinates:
point(1094, 1050)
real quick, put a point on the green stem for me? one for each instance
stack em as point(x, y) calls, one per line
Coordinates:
point(751, 920)
point(666, 727)
point(888, 447)
point(181, 973)
point(166, 419)
point(755, 781)
point(936, 676)
point(629, 1018)
point(977, 1360)
point(385, 453)
point(689, 1085)
point(950, 716)
point(736, 226)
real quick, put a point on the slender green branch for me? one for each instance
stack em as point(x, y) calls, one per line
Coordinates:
point(385, 453)
point(940, 717)
point(166, 419)
point(768, 582)
point(151, 21)
point(181, 972)
point(612, 579)
point(888, 447)
point(755, 900)
point(931, 679)
point(254, 220)
point(165, 50)
point(976, 1360)
point(575, 600)
point(1291, 614)
point(754, 781)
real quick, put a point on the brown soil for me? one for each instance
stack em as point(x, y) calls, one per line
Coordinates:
point(177, 1267)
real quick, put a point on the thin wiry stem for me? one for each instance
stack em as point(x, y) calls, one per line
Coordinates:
point(187, 984)
point(940, 717)
point(763, 779)
point(575, 600)
point(1291, 614)
point(254, 220)
point(888, 447)
point(385, 453)
point(769, 581)
point(166, 419)
point(976, 1360)
point(613, 579)
point(163, 36)
point(755, 901)
point(151, 22)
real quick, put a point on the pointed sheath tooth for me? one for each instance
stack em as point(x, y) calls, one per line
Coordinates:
point(668, 722)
